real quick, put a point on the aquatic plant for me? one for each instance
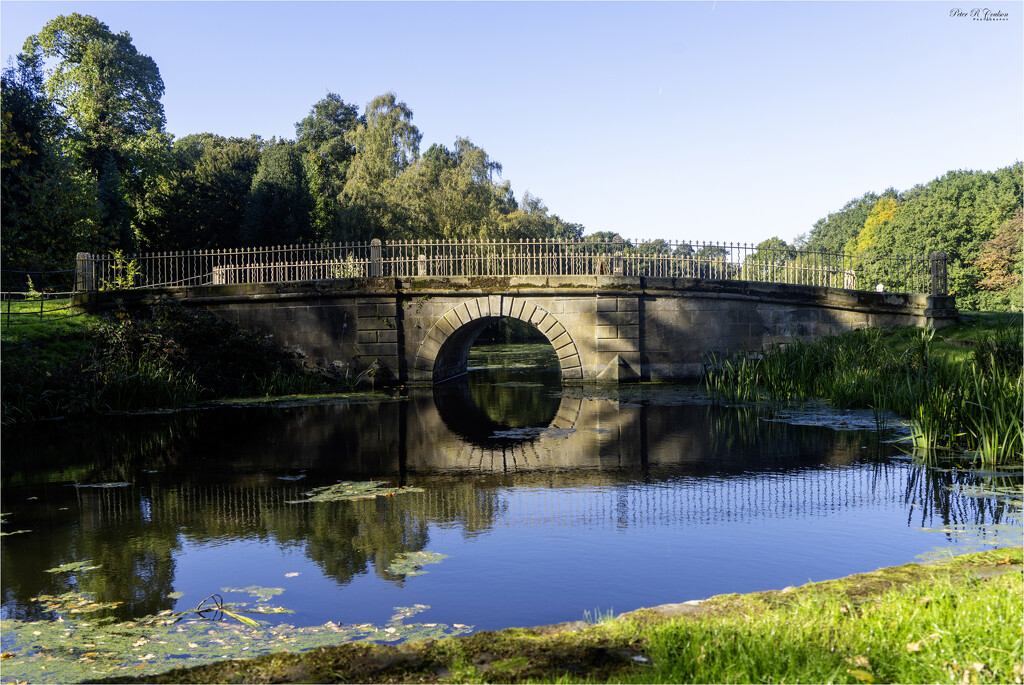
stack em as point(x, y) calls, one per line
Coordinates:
point(971, 405)
point(349, 490)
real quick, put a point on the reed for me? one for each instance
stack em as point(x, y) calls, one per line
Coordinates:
point(964, 406)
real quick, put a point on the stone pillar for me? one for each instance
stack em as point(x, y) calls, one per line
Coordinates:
point(939, 285)
point(85, 272)
point(421, 265)
point(617, 265)
point(376, 262)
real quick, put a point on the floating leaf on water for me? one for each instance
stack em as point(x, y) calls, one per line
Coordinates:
point(244, 619)
point(352, 490)
point(402, 613)
point(262, 593)
point(73, 566)
point(410, 563)
point(72, 603)
point(101, 485)
point(292, 574)
point(177, 594)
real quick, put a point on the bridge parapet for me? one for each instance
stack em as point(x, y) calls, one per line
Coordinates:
point(499, 258)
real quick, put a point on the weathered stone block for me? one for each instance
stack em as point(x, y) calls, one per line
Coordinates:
point(555, 330)
point(617, 345)
point(516, 310)
point(627, 304)
point(629, 331)
point(618, 318)
point(387, 335)
point(560, 340)
point(377, 350)
point(377, 309)
point(547, 323)
point(569, 351)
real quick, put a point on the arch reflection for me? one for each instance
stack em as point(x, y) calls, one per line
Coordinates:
point(508, 390)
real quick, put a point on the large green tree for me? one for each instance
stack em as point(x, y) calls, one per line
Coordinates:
point(48, 207)
point(109, 95)
point(279, 204)
point(386, 144)
point(205, 201)
point(327, 156)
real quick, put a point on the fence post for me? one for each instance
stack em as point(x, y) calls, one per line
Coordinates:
point(376, 261)
point(421, 265)
point(85, 272)
point(939, 286)
point(617, 267)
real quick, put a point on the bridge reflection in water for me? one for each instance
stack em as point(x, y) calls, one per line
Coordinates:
point(594, 501)
point(204, 479)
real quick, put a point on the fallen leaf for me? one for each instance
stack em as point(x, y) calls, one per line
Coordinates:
point(291, 575)
point(1007, 560)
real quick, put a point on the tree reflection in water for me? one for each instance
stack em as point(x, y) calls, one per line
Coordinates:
point(489, 457)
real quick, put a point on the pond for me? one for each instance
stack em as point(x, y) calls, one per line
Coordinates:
point(503, 499)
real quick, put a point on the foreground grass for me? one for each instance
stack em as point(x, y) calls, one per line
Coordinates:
point(959, 621)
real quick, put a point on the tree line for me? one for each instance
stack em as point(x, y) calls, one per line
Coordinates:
point(972, 216)
point(88, 166)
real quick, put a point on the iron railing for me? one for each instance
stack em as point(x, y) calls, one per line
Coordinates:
point(29, 296)
point(400, 259)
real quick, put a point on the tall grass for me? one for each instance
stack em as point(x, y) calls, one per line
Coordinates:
point(973, 405)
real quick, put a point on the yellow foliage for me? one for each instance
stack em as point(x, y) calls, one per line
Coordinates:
point(881, 214)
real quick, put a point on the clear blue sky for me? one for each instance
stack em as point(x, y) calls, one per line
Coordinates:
point(732, 121)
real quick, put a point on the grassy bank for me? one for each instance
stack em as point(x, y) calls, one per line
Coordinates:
point(962, 388)
point(958, 621)
point(69, 363)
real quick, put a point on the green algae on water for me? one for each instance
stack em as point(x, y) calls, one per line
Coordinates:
point(72, 567)
point(261, 593)
point(411, 563)
point(72, 649)
point(352, 490)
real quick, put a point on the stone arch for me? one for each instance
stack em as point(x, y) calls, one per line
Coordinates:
point(445, 348)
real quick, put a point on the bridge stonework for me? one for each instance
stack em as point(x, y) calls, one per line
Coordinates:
point(420, 329)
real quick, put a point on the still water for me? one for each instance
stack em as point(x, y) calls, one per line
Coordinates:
point(548, 503)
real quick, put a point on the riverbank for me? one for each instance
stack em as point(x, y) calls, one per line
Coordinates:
point(61, 363)
point(955, 621)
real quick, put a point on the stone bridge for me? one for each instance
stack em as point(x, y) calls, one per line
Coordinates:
point(419, 329)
